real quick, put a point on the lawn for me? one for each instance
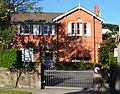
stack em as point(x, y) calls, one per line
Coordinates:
point(13, 92)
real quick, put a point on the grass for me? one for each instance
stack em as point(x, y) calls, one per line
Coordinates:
point(13, 92)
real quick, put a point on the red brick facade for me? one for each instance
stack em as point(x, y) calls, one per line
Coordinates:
point(81, 46)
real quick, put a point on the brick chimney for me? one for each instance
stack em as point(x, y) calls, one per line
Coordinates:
point(96, 10)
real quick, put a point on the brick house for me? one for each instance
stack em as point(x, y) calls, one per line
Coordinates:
point(73, 36)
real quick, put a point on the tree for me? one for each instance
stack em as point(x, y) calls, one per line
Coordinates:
point(10, 6)
point(111, 27)
point(6, 38)
point(6, 8)
point(106, 48)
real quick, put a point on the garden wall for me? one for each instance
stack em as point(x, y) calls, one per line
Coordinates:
point(20, 78)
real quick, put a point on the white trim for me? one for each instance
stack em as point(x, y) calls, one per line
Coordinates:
point(76, 8)
point(70, 29)
point(88, 29)
point(35, 29)
point(19, 30)
point(27, 54)
point(80, 29)
point(53, 29)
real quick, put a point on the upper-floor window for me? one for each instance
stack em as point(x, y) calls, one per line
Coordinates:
point(71, 28)
point(79, 29)
point(52, 30)
point(19, 29)
point(37, 29)
point(74, 29)
point(87, 29)
point(26, 29)
point(45, 30)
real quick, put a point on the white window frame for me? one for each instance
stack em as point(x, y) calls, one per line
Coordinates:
point(71, 29)
point(45, 30)
point(77, 60)
point(52, 30)
point(27, 54)
point(88, 29)
point(80, 29)
point(40, 30)
point(36, 30)
point(19, 29)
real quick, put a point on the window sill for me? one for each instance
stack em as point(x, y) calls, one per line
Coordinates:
point(79, 61)
point(79, 35)
point(87, 35)
point(71, 35)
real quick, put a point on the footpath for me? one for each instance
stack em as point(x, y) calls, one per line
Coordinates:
point(60, 91)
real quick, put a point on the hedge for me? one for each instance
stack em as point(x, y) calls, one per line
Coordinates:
point(74, 66)
point(8, 58)
point(13, 59)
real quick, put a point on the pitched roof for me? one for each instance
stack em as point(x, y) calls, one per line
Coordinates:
point(77, 8)
point(34, 17)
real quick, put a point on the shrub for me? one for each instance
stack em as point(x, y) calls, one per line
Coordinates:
point(74, 66)
point(8, 58)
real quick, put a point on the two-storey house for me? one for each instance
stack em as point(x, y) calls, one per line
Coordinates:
point(73, 36)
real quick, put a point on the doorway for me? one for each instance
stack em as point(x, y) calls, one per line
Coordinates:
point(48, 61)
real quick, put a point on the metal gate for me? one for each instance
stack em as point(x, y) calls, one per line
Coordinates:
point(68, 79)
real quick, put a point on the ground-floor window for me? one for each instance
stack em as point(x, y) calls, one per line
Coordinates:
point(80, 59)
point(27, 54)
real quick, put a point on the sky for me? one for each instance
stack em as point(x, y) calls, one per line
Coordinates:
point(110, 9)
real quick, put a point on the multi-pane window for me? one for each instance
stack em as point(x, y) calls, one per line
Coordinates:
point(19, 29)
point(27, 55)
point(78, 28)
point(73, 28)
point(85, 28)
point(45, 30)
point(37, 29)
point(26, 29)
point(52, 29)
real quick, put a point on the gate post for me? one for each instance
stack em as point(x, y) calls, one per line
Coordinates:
point(42, 76)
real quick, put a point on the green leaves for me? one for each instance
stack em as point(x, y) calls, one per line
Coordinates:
point(111, 27)
point(7, 7)
point(6, 37)
point(106, 47)
point(8, 58)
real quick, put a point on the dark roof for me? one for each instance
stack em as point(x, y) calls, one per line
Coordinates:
point(34, 17)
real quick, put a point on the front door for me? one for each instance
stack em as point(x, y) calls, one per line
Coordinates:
point(48, 60)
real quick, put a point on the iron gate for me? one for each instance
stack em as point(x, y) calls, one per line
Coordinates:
point(68, 79)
